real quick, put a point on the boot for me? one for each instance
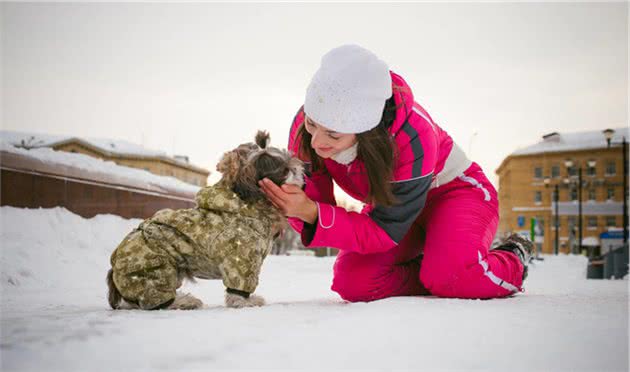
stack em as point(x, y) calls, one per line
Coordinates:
point(521, 247)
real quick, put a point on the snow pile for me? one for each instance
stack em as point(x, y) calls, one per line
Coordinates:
point(50, 249)
point(55, 316)
point(75, 165)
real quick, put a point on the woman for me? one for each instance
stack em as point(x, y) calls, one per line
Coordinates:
point(426, 203)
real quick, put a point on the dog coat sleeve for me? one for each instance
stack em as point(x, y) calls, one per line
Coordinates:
point(243, 258)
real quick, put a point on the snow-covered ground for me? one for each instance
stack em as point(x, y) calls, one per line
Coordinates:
point(54, 316)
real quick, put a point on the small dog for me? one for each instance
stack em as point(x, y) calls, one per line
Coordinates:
point(227, 236)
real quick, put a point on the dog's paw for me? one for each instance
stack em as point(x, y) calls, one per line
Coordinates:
point(238, 301)
point(185, 302)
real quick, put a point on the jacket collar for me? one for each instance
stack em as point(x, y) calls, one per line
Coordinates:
point(403, 97)
point(346, 156)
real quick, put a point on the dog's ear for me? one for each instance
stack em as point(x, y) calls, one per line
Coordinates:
point(245, 184)
point(262, 139)
point(229, 166)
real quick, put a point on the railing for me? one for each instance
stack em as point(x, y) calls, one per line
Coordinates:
point(612, 265)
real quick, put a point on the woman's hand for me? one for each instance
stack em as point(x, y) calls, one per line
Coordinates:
point(291, 200)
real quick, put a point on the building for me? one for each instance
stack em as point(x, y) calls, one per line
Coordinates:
point(529, 177)
point(84, 185)
point(120, 152)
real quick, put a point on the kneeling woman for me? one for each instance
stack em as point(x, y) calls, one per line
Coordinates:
point(430, 214)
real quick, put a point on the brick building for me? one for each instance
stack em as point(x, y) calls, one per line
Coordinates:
point(120, 152)
point(43, 178)
point(528, 179)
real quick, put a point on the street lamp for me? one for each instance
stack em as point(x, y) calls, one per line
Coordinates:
point(569, 163)
point(608, 134)
point(557, 219)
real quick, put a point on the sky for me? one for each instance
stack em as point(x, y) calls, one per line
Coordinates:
point(197, 79)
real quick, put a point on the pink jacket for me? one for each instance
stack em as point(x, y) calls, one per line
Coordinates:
point(427, 158)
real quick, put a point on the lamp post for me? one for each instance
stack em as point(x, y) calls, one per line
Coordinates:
point(580, 226)
point(556, 192)
point(569, 163)
point(608, 134)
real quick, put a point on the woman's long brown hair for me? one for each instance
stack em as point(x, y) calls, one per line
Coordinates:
point(375, 148)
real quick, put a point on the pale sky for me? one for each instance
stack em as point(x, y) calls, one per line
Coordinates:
point(198, 79)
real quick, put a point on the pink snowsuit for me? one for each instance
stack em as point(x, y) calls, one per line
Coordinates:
point(447, 209)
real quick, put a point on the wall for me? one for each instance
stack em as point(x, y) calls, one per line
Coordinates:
point(25, 189)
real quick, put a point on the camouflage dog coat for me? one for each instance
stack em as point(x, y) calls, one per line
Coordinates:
point(222, 238)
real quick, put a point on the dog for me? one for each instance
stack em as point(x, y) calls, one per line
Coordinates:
point(226, 236)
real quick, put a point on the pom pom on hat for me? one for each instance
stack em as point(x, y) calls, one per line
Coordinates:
point(347, 94)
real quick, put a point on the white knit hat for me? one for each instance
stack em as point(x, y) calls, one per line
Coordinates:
point(348, 92)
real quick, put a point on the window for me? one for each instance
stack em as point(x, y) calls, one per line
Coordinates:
point(590, 171)
point(538, 197)
point(611, 168)
point(572, 170)
point(610, 193)
point(574, 194)
point(591, 194)
point(538, 172)
point(555, 171)
point(592, 221)
point(611, 221)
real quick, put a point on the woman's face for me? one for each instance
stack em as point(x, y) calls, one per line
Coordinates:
point(326, 142)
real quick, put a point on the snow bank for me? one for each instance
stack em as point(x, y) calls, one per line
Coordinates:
point(55, 249)
point(54, 316)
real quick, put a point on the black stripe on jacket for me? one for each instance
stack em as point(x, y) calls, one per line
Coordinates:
point(411, 196)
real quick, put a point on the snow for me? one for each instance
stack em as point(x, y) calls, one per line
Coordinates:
point(84, 166)
point(114, 146)
point(54, 315)
point(574, 141)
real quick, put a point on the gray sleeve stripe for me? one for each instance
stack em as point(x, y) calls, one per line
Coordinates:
point(411, 197)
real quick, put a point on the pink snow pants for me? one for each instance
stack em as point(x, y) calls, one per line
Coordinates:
point(454, 231)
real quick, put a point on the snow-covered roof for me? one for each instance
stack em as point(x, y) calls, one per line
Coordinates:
point(559, 142)
point(81, 166)
point(108, 146)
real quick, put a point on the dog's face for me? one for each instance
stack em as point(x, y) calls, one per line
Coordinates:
point(247, 164)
